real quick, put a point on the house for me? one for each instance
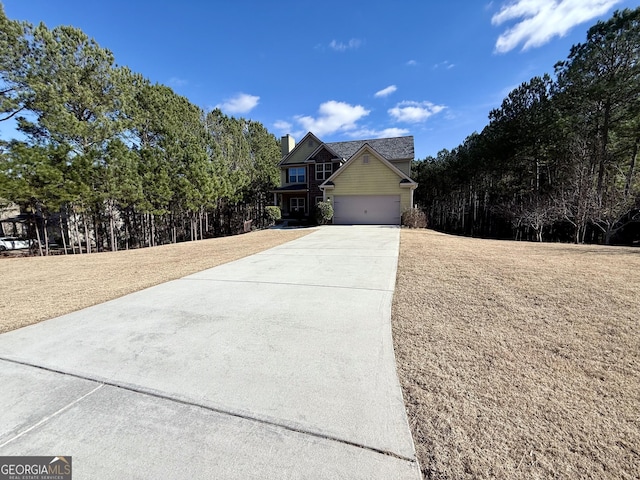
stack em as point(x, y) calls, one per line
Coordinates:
point(12, 221)
point(366, 181)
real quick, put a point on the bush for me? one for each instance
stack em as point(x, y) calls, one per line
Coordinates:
point(272, 213)
point(324, 213)
point(414, 218)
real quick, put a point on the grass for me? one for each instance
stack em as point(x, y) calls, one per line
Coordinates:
point(519, 360)
point(38, 288)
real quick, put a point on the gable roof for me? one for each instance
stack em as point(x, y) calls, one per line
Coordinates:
point(322, 146)
point(404, 179)
point(298, 146)
point(398, 148)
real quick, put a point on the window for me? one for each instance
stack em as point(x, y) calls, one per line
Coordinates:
point(296, 205)
point(318, 200)
point(323, 171)
point(296, 175)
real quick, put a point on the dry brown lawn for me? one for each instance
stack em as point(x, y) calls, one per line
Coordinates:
point(519, 360)
point(37, 288)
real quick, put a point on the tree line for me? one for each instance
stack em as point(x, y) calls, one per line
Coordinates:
point(113, 160)
point(558, 159)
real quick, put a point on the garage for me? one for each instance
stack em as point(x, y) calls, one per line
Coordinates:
point(366, 210)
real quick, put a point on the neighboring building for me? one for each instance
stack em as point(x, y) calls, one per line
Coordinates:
point(12, 222)
point(366, 181)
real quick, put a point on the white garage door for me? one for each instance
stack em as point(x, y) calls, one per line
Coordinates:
point(366, 210)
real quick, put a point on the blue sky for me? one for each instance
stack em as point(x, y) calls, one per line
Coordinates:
point(342, 69)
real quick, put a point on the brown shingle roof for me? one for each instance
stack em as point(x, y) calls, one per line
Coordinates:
point(391, 148)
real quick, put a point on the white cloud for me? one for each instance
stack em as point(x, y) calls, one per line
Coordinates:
point(177, 82)
point(446, 64)
point(282, 126)
point(541, 20)
point(385, 92)
point(241, 103)
point(414, 112)
point(333, 116)
point(352, 44)
point(411, 63)
point(385, 133)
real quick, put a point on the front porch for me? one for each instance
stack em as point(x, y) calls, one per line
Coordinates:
point(293, 201)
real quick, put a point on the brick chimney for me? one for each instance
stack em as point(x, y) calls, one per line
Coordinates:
point(287, 143)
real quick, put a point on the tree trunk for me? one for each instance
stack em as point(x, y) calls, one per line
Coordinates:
point(64, 241)
point(144, 227)
point(46, 236)
point(76, 231)
point(97, 231)
point(634, 157)
point(38, 238)
point(127, 229)
point(86, 232)
point(607, 236)
point(152, 231)
point(112, 235)
point(604, 146)
point(146, 224)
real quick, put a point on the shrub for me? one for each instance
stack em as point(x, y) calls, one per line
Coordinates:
point(272, 213)
point(324, 213)
point(414, 218)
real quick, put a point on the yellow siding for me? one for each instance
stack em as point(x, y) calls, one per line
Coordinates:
point(374, 178)
point(304, 149)
point(404, 166)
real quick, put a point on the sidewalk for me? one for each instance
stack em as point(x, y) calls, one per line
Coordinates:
point(279, 365)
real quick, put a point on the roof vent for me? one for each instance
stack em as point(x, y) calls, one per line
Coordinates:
point(365, 159)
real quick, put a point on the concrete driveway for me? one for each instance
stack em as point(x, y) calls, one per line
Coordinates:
point(279, 365)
